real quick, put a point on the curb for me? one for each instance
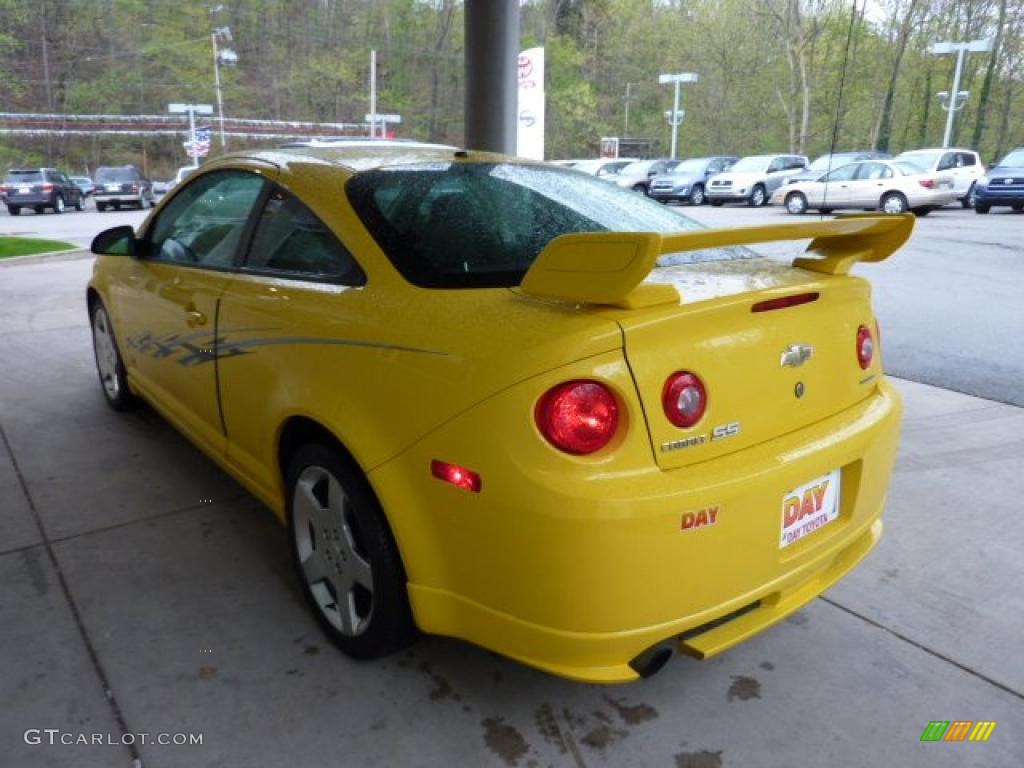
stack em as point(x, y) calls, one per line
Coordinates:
point(68, 254)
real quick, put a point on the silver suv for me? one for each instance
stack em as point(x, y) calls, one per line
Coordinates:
point(752, 179)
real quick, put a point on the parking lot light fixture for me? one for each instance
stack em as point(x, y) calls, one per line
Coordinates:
point(224, 56)
point(675, 118)
point(953, 105)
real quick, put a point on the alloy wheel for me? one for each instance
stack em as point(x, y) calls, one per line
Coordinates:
point(106, 352)
point(334, 563)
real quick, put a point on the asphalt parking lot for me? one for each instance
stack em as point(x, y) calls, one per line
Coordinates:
point(145, 592)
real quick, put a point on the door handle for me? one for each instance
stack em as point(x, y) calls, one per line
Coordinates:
point(194, 317)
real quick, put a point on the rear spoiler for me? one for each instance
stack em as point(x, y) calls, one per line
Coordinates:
point(609, 267)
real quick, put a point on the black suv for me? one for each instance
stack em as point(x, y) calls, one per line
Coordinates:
point(122, 185)
point(39, 189)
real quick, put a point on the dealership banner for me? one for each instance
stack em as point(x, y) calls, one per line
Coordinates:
point(530, 112)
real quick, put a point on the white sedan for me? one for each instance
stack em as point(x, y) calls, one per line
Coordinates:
point(893, 186)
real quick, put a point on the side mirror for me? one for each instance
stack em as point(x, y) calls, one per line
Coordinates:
point(117, 241)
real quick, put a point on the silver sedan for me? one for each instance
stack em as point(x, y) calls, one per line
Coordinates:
point(892, 186)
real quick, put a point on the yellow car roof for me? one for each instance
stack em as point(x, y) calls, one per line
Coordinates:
point(367, 155)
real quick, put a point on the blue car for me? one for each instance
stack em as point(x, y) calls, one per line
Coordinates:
point(1002, 185)
point(687, 180)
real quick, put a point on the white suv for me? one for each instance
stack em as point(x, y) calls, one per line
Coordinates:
point(964, 166)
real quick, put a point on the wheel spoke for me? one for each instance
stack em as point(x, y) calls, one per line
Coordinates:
point(347, 615)
point(305, 507)
point(360, 571)
point(315, 569)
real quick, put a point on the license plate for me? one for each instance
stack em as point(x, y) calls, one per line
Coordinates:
point(113, 187)
point(24, 190)
point(809, 507)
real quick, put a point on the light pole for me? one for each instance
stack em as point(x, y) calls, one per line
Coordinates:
point(952, 104)
point(625, 127)
point(676, 117)
point(223, 56)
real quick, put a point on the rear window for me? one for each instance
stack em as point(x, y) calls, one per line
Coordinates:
point(476, 225)
point(24, 176)
point(116, 174)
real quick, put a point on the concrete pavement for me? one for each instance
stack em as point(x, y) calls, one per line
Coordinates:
point(131, 605)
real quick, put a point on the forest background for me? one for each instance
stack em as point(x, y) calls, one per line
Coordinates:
point(770, 71)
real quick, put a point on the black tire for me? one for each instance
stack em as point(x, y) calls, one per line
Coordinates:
point(379, 620)
point(14, 210)
point(967, 201)
point(716, 203)
point(697, 195)
point(101, 207)
point(642, 188)
point(117, 206)
point(758, 196)
point(58, 204)
point(893, 203)
point(79, 203)
point(825, 211)
point(923, 211)
point(40, 209)
point(982, 207)
point(109, 364)
point(796, 203)
point(1018, 207)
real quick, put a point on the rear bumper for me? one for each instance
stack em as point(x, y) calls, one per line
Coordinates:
point(932, 197)
point(578, 574)
point(29, 200)
point(121, 197)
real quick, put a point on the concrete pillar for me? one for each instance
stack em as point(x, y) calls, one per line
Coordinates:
point(492, 52)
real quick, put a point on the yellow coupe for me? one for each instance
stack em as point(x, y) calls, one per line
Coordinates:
point(511, 403)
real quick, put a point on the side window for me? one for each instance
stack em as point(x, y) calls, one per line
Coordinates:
point(948, 161)
point(846, 173)
point(290, 239)
point(966, 159)
point(874, 171)
point(776, 165)
point(204, 222)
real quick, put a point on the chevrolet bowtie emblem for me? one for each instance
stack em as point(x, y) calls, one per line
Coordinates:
point(796, 355)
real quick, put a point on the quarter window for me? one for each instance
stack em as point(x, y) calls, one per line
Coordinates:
point(290, 239)
point(203, 224)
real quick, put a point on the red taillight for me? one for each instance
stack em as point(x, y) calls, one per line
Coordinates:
point(47, 187)
point(460, 477)
point(927, 183)
point(578, 417)
point(684, 399)
point(865, 347)
point(785, 301)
